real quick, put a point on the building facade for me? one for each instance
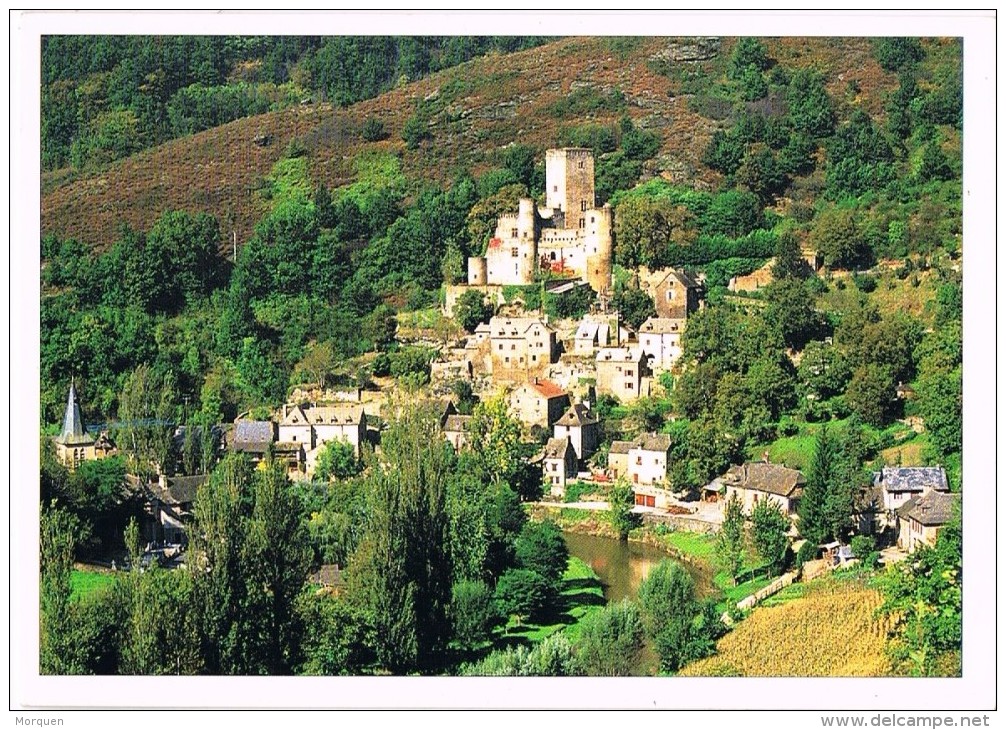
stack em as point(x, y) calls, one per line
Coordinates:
point(620, 372)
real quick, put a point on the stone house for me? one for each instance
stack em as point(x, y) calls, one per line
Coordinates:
point(660, 339)
point(559, 465)
point(539, 402)
point(756, 481)
point(521, 348)
point(921, 518)
point(618, 459)
point(620, 372)
point(313, 426)
point(901, 483)
point(253, 438)
point(647, 470)
point(675, 294)
point(169, 503)
point(581, 427)
point(457, 431)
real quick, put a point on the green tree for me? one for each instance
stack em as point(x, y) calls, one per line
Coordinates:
point(730, 541)
point(823, 370)
point(373, 130)
point(474, 614)
point(147, 407)
point(610, 641)
point(621, 500)
point(635, 306)
point(336, 640)
point(769, 527)
point(791, 311)
point(837, 238)
point(923, 596)
point(57, 651)
point(789, 262)
point(669, 609)
point(540, 547)
point(871, 394)
point(336, 460)
point(523, 594)
point(400, 575)
point(645, 227)
point(472, 309)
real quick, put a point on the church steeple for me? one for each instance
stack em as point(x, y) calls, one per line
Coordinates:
point(73, 423)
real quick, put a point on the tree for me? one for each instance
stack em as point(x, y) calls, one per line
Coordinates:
point(472, 309)
point(147, 408)
point(610, 641)
point(336, 460)
point(57, 651)
point(823, 370)
point(645, 227)
point(669, 609)
point(336, 639)
point(730, 542)
point(923, 595)
point(769, 527)
point(523, 593)
point(635, 306)
point(837, 238)
point(789, 261)
point(540, 547)
point(791, 311)
point(400, 575)
point(871, 394)
point(373, 130)
point(621, 500)
point(474, 614)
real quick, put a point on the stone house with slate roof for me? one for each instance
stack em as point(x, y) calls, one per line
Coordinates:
point(901, 483)
point(675, 294)
point(521, 348)
point(620, 372)
point(558, 464)
point(313, 426)
point(756, 481)
point(921, 518)
point(253, 438)
point(660, 339)
point(457, 431)
point(618, 459)
point(581, 427)
point(170, 501)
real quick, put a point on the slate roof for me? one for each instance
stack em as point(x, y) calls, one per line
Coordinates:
point(619, 354)
point(931, 509)
point(621, 447)
point(252, 432)
point(662, 326)
point(654, 442)
point(911, 478)
point(515, 326)
point(181, 490)
point(556, 448)
point(74, 433)
point(577, 415)
point(763, 477)
point(329, 415)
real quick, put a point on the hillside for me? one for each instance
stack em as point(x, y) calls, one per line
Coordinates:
point(473, 110)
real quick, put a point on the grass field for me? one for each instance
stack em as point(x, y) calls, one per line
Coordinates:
point(83, 582)
point(581, 595)
point(827, 628)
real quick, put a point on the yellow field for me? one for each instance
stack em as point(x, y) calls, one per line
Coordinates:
point(831, 631)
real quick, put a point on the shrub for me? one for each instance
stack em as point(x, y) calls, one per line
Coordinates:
point(373, 130)
point(806, 553)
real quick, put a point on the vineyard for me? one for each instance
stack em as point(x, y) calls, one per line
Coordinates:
point(830, 631)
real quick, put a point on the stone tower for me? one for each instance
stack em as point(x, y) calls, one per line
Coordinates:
point(74, 445)
point(569, 183)
point(600, 248)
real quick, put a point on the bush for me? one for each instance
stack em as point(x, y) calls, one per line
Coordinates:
point(862, 545)
point(806, 553)
point(864, 282)
point(373, 130)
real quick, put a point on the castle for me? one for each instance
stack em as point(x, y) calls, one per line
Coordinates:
point(569, 235)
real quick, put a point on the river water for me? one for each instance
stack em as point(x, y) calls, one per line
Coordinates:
point(622, 565)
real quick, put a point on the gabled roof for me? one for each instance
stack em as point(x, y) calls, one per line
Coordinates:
point(334, 415)
point(515, 326)
point(74, 433)
point(577, 415)
point(182, 490)
point(931, 509)
point(252, 432)
point(912, 478)
point(621, 447)
point(662, 326)
point(619, 354)
point(764, 477)
point(654, 442)
point(653, 279)
point(294, 417)
point(557, 448)
point(546, 388)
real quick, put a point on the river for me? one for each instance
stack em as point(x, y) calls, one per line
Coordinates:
point(622, 566)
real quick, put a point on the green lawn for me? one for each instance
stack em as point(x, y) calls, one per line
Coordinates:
point(734, 593)
point(83, 582)
point(581, 595)
point(692, 543)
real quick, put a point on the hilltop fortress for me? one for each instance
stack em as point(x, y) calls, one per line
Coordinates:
point(570, 235)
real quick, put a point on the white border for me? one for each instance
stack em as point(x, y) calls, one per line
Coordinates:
point(974, 691)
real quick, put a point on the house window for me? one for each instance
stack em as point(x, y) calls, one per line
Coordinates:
point(513, 252)
point(583, 205)
point(628, 373)
point(513, 347)
point(583, 223)
point(639, 460)
point(555, 467)
point(501, 347)
point(507, 359)
point(513, 233)
point(591, 219)
point(628, 386)
point(555, 188)
point(581, 164)
point(534, 358)
point(551, 256)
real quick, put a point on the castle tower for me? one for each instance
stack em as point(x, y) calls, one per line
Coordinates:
point(600, 248)
point(569, 183)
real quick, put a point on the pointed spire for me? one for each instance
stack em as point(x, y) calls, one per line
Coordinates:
point(73, 422)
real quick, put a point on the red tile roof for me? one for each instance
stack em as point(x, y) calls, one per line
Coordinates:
point(547, 388)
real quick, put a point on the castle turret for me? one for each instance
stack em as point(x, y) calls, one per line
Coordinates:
point(600, 248)
point(477, 275)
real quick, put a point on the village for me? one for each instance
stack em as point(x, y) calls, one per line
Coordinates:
point(553, 374)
